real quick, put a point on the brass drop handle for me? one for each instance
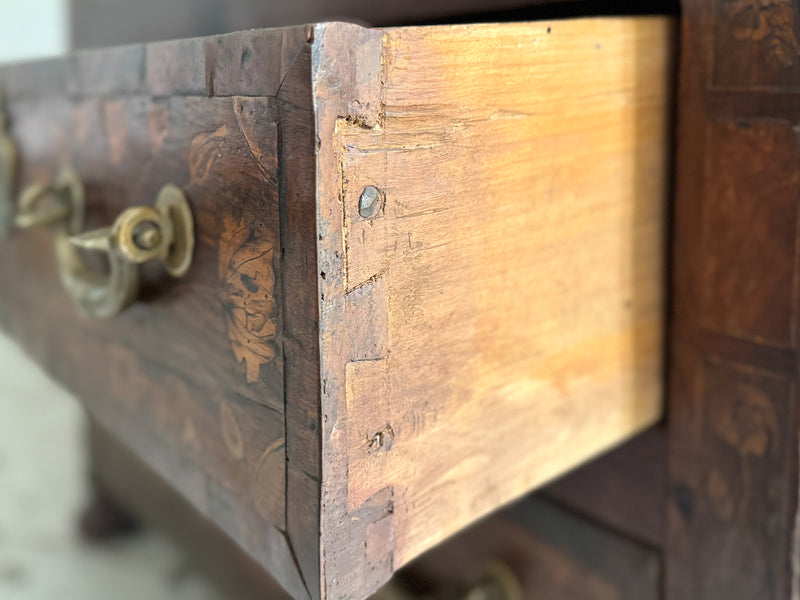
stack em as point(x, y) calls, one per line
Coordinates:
point(140, 234)
point(497, 582)
point(59, 206)
point(163, 232)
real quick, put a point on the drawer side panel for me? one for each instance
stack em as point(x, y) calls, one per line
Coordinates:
point(504, 303)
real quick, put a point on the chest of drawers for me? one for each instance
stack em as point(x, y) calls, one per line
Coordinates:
point(427, 277)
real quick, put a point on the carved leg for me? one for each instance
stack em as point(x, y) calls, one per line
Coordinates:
point(104, 519)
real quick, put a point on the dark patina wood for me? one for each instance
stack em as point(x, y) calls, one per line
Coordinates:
point(733, 414)
point(731, 497)
point(551, 553)
point(194, 379)
point(129, 485)
point(336, 388)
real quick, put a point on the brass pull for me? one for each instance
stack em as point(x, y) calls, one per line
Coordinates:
point(8, 168)
point(163, 232)
point(496, 582)
point(139, 235)
point(58, 206)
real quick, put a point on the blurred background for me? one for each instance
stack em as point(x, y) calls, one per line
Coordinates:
point(33, 29)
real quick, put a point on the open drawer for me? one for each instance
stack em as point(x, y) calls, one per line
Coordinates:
point(428, 274)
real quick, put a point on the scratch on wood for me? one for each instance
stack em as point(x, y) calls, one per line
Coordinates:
point(507, 114)
point(394, 149)
point(435, 246)
point(372, 279)
point(345, 228)
point(422, 213)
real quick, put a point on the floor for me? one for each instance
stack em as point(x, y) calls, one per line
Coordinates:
point(42, 491)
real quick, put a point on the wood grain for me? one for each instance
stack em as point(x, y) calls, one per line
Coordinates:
point(192, 378)
point(340, 393)
point(732, 511)
point(506, 304)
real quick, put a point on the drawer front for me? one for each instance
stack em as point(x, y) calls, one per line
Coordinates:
point(192, 376)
